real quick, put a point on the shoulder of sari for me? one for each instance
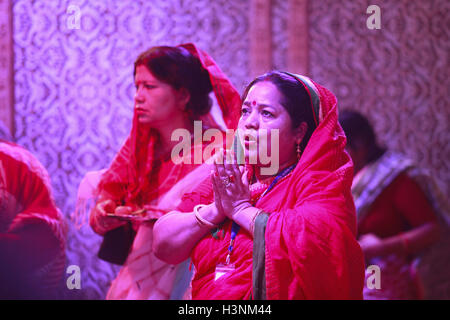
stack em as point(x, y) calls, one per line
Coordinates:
point(376, 177)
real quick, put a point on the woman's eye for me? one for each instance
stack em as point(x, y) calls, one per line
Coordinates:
point(267, 114)
point(149, 86)
point(244, 111)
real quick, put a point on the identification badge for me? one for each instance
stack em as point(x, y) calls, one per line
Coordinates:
point(223, 269)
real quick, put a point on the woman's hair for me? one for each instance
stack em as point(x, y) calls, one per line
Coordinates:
point(295, 99)
point(180, 69)
point(360, 134)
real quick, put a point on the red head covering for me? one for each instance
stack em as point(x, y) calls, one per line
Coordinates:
point(314, 221)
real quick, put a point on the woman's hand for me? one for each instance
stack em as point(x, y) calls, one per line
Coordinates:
point(371, 245)
point(100, 219)
point(231, 188)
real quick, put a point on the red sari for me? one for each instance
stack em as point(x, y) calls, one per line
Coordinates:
point(390, 201)
point(311, 250)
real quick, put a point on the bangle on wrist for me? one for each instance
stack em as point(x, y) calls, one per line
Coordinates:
point(405, 243)
point(201, 221)
point(252, 223)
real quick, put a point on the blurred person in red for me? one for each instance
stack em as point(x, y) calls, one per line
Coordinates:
point(32, 229)
point(396, 219)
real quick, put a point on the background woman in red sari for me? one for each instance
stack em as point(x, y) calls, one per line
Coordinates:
point(291, 235)
point(396, 210)
point(172, 91)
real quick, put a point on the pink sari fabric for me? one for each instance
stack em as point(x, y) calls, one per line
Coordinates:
point(311, 250)
point(144, 276)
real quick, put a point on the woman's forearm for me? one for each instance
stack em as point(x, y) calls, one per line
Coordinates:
point(177, 233)
point(246, 218)
point(421, 237)
point(410, 242)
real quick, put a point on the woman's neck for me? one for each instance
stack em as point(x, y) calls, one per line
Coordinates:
point(165, 134)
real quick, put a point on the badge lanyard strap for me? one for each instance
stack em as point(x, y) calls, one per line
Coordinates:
point(235, 227)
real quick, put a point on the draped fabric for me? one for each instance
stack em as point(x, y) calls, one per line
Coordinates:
point(29, 221)
point(144, 276)
point(374, 178)
point(136, 178)
point(311, 249)
point(393, 196)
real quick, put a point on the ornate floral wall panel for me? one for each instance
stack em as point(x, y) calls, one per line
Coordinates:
point(74, 87)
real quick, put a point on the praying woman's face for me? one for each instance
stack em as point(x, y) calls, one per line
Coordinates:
point(156, 103)
point(263, 112)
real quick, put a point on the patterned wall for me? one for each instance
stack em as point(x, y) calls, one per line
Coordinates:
point(73, 87)
point(6, 70)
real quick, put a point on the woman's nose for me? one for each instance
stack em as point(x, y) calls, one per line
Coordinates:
point(138, 97)
point(252, 120)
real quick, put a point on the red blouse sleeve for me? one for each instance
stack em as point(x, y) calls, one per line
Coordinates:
point(411, 202)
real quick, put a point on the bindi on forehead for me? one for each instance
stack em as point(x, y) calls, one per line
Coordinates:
point(253, 103)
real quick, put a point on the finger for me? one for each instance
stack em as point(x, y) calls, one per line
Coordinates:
point(220, 185)
point(123, 210)
point(217, 197)
point(230, 168)
point(220, 178)
point(236, 171)
point(246, 180)
point(220, 170)
point(218, 157)
point(108, 206)
point(214, 178)
point(150, 208)
point(103, 208)
point(234, 156)
point(229, 156)
point(235, 174)
point(100, 210)
point(215, 190)
point(244, 176)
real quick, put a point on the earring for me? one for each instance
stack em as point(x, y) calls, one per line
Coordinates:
point(299, 151)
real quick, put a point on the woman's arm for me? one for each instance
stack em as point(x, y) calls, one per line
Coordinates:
point(176, 233)
point(410, 242)
point(411, 202)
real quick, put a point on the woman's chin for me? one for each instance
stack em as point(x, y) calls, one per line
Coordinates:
point(144, 119)
point(251, 157)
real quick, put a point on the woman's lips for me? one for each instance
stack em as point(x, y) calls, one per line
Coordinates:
point(250, 140)
point(140, 111)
